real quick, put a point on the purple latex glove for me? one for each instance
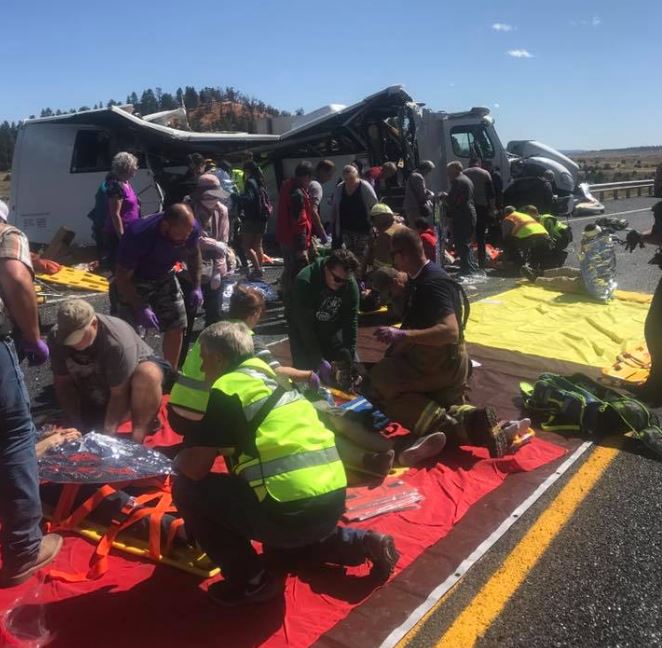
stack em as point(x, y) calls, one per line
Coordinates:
point(324, 372)
point(314, 382)
point(195, 300)
point(37, 352)
point(147, 318)
point(390, 334)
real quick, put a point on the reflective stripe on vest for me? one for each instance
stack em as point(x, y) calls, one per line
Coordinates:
point(191, 389)
point(524, 225)
point(293, 455)
point(290, 463)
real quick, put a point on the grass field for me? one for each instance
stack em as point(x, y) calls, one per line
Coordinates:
point(618, 166)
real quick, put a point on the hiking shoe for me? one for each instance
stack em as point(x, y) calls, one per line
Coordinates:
point(378, 464)
point(48, 550)
point(226, 594)
point(528, 273)
point(381, 552)
point(422, 449)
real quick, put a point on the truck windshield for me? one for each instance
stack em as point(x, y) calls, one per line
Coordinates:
point(471, 141)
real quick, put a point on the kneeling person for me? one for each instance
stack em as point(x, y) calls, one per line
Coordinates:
point(104, 372)
point(287, 483)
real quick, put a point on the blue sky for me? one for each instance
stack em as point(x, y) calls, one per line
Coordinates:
point(573, 74)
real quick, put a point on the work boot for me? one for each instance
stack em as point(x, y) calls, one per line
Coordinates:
point(378, 464)
point(381, 552)
point(528, 273)
point(227, 594)
point(483, 430)
point(422, 449)
point(48, 550)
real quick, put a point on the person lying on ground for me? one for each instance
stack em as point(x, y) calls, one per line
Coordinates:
point(595, 276)
point(149, 293)
point(104, 373)
point(274, 492)
point(426, 366)
point(325, 308)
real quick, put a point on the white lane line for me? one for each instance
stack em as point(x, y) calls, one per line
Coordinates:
point(402, 630)
point(277, 341)
point(623, 213)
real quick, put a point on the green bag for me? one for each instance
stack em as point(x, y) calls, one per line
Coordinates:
point(579, 404)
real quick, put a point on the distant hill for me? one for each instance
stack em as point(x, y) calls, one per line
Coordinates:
point(631, 150)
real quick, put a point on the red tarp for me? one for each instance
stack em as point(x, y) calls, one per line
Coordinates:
point(140, 604)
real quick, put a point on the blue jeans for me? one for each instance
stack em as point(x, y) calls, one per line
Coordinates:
point(223, 514)
point(20, 506)
point(463, 231)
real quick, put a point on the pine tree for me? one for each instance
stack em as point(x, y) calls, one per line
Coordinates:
point(180, 97)
point(168, 102)
point(191, 100)
point(148, 102)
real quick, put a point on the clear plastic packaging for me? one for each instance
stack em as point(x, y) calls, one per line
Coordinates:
point(101, 459)
point(597, 262)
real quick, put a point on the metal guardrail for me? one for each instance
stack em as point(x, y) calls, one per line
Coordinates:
point(600, 191)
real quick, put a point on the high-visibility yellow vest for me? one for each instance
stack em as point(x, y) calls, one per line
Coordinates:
point(296, 456)
point(525, 225)
point(238, 179)
point(191, 391)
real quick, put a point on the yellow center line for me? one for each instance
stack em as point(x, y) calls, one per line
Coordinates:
point(478, 616)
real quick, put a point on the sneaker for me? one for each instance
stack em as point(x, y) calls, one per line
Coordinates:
point(528, 273)
point(225, 594)
point(381, 552)
point(48, 550)
point(378, 464)
point(423, 449)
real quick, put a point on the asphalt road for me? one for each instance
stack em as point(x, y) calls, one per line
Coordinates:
point(600, 582)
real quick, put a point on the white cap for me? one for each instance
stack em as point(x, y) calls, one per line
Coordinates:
point(4, 211)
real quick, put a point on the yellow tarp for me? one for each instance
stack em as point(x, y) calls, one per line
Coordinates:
point(540, 322)
point(80, 279)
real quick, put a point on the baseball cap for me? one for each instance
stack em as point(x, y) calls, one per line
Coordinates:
point(73, 318)
point(380, 208)
point(209, 186)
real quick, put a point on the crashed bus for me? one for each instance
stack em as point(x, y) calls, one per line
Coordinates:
point(60, 161)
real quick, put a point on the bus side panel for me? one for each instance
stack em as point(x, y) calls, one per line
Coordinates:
point(48, 196)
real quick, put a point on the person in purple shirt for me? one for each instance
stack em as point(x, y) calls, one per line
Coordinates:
point(149, 293)
point(122, 206)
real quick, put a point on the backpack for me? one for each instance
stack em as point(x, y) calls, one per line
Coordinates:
point(579, 404)
point(265, 208)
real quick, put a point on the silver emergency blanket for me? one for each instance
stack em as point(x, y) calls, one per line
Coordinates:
point(101, 459)
point(597, 262)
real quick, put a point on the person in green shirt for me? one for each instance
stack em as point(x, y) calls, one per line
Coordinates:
point(325, 311)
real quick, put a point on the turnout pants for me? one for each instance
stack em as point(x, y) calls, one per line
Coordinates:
point(416, 386)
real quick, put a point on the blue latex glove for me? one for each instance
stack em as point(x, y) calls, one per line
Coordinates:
point(147, 318)
point(37, 352)
point(195, 300)
point(324, 372)
point(390, 334)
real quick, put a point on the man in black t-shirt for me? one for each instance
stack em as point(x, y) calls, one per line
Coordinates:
point(422, 379)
